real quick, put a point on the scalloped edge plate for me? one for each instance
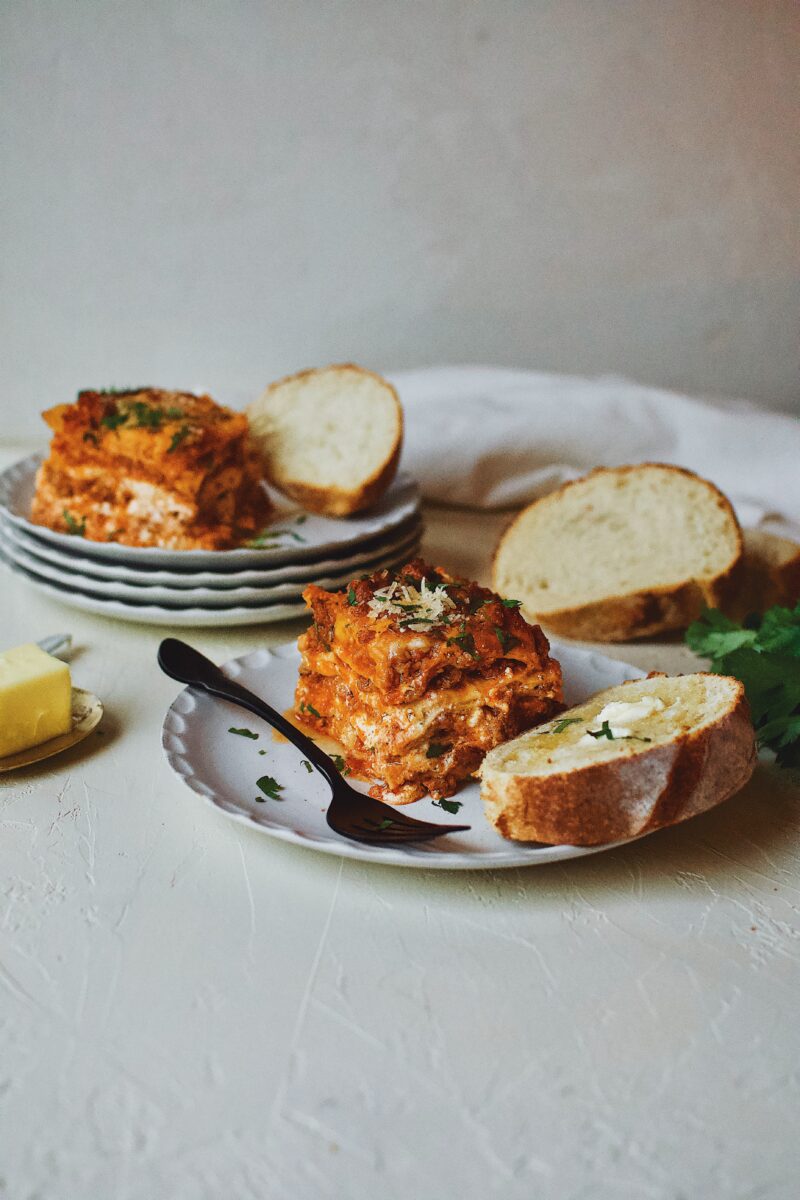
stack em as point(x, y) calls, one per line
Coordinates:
point(222, 578)
point(321, 535)
point(221, 598)
point(222, 768)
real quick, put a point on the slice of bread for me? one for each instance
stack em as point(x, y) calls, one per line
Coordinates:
point(678, 746)
point(624, 552)
point(770, 574)
point(330, 438)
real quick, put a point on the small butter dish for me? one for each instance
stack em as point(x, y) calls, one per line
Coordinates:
point(86, 713)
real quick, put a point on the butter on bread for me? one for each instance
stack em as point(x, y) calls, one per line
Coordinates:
point(35, 698)
point(624, 552)
point(330, 437)
point(632, 759)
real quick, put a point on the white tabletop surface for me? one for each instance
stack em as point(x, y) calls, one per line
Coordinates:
point(190, 1011)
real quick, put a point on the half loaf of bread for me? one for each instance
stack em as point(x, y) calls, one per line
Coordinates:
point(634, 758)
point(624, 552)
point(330, 438)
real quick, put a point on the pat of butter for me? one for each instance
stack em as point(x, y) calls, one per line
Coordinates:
point(35, 698)
point(628, 712)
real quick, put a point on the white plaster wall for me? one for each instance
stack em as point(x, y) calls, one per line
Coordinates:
point(213, 193)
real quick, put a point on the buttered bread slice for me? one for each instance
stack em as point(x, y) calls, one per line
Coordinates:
point(624, 552)
point(632, 759)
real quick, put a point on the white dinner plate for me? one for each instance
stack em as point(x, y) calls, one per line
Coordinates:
point(301, 537)
point(155, 614)
point(204, 597)
point(224, 768)
point(301, 573)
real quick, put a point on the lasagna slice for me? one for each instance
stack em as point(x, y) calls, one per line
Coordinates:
point(418, 674)
point(151, 468)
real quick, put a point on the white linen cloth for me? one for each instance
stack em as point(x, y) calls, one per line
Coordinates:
point(485, 437)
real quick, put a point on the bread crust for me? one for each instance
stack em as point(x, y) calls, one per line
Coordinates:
point(330, 500)
point(638, 614)
point(770, 574)
point(627, 797)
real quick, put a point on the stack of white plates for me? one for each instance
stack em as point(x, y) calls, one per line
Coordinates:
point(206, 587)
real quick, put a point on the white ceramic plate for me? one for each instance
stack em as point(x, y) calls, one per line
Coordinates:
point(146, 593)
point(301, 573)
point(304, 537)
point(223, 768)
point(154, 614)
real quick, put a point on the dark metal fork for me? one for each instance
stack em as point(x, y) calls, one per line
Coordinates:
point(350, 814)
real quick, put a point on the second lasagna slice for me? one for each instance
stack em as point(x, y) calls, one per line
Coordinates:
point(419, 674)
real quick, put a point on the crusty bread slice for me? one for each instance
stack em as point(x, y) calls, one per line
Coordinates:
point(678, 746)
point(330, 438)
point(770, 574)
point(624, 552)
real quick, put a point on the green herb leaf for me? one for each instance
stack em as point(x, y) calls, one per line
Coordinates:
point(74, 527)
point(451, 806)
point(511, 603)
point(603, 732)
point(562, 723)
point(507, 640)
point(178, 437)
point(270, 787)
point(466, 641)
point(351, 596)
point(310, 708)
point(114, 418)
point(307, 765)
point(765, 655)
point(248, 733)
point(436, 750)
point(386, 823)
point(340, 764)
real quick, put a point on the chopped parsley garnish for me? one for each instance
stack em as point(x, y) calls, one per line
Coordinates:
point(340, 764)
point(113, 419)
point(310, 708)
point(307, 765)
point(562, 724)
point(507, 640)
point(764, 653)
point(475, 603)
point(466, 641)
point(386, 823)
point(267, 539)
point(270, 787)
point(605, 731)
point(301, 520)
point(451, 806)
point(351, 596)
point(178, 437)
point(436, 750)
point(76, 528)
point(511, 603)
point(248, 733)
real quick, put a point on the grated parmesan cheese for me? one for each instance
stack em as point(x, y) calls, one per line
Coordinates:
point(422, 608)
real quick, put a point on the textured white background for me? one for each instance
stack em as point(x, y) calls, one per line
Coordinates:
point(190, 1011)
point(201, 192)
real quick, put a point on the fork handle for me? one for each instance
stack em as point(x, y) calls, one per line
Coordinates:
point(212, 681)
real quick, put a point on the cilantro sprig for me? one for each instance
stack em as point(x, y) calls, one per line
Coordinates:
point(764, 653)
